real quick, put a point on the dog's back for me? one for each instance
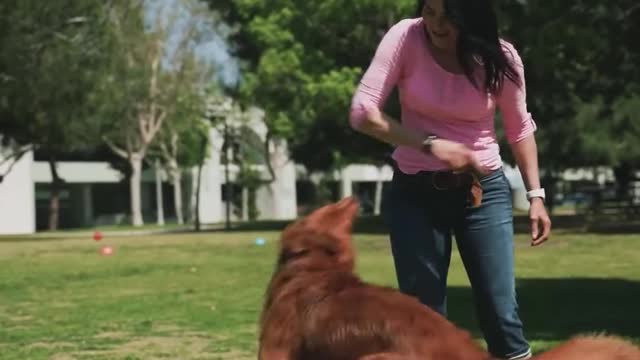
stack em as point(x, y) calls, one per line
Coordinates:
point(593, 348)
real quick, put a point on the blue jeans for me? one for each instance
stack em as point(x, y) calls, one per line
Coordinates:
point(423, 219)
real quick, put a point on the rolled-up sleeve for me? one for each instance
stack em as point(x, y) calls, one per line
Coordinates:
point(512, 102)
point(382, 75)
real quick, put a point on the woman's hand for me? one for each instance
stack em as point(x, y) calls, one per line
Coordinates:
point(458, 156)
point(540, 222)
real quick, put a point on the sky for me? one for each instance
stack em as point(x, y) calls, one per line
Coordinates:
point(212, 48)
point(217, 51)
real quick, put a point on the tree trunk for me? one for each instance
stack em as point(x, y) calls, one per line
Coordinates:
point(245, 203)
point(549, 183)
point(176, 180)
point(135, 189)
point(159, 198)
point(623, 174)
point(54, 198)
point(193, 187)
point(197, 220)
point(203, 149)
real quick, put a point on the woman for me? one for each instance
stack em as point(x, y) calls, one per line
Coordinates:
point(452, 71)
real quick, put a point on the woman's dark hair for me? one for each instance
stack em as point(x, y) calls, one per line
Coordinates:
point(478, 40)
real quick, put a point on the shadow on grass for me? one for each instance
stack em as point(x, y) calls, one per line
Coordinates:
point(556, 309)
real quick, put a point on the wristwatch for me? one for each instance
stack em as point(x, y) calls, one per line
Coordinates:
point(427, 143)
point(537, 193)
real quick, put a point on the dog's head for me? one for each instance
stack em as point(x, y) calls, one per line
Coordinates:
point(322, 239)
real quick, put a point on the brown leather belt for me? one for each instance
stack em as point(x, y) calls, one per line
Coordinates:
point(448, 180)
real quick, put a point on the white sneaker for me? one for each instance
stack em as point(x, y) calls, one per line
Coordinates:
point(523, 356)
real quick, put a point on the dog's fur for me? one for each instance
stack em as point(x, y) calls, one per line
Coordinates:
point(317, 308)
point(593, 348)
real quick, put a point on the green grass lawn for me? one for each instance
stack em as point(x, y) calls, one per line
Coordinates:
point(198, 296)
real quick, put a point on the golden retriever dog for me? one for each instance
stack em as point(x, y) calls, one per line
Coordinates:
point(316, 307)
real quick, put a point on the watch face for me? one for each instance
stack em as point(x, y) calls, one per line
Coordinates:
point(429, 140)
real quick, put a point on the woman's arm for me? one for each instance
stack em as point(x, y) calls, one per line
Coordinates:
point(376, 84)
point(526, 155)
point(384, 128)
point(520, 128)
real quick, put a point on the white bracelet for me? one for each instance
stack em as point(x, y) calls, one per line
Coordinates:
point(537, 193)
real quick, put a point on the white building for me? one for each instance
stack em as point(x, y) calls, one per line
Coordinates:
point(17, 199)
point(94, 193)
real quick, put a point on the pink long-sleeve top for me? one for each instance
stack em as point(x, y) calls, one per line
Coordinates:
point(439, 102)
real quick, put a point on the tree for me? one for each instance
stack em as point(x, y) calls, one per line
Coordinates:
point(179, 140)
point(131, 94)
point(580, 60)
point(142, 86)
point(179, 145)
point(301, 63)
point(248, 155)
point(49, 58)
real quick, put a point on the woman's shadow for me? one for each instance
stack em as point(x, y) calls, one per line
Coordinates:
point(556, 309)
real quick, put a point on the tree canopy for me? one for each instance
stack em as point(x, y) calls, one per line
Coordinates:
point(583, 82)
point(302, 60)
point(49, 58)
